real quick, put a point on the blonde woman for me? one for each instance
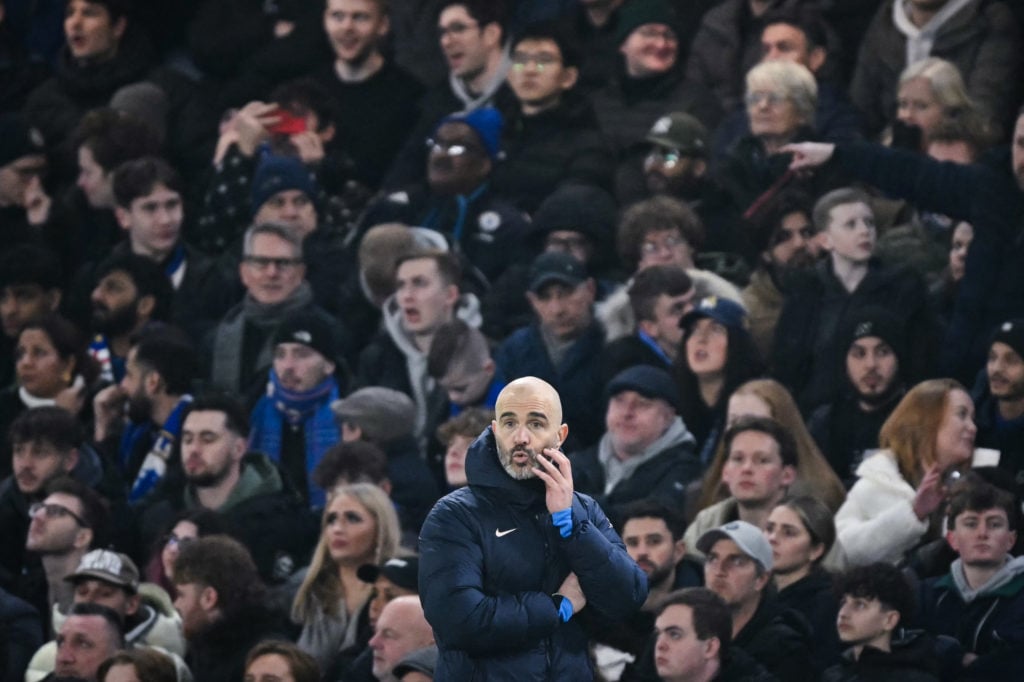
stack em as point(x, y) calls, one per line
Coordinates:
point(359, 526)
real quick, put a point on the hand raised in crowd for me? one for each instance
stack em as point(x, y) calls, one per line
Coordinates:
point(108, 408)
point(809, 155)
point(571, 590)
point(557, 477)
point(930, 493)
point(309, 145)
point(252, 123)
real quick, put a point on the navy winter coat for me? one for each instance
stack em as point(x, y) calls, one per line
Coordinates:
point(490, 560)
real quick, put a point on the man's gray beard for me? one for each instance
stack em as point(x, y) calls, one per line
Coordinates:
point(518, 473)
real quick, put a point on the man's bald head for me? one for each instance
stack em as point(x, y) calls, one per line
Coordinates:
point(528, 418)
point(401, 629)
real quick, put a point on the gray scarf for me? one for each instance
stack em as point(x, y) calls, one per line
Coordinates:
point(229, 340)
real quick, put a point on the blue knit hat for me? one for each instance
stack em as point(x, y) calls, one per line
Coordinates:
point(487, 122)
point(277, 174)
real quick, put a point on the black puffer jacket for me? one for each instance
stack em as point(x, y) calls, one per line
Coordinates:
point(778, 638)
point(911, 660)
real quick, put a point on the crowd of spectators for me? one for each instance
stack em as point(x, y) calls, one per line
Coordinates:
point(268, 268)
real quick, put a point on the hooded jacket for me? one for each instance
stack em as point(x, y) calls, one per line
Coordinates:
point(393, 360)
point(662, 471)
point(490, 559)
point(987, 621)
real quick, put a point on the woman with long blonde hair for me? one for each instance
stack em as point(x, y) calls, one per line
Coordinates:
point(769, 398)
point(359, 526)
point(900, 489)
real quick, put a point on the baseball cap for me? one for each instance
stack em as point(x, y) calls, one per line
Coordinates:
point(111, 567)
point(721, 310)
point(556, 266)
point(747, 537)
point(402, 571)
point(647, 380)
point(681, 131)
point(18, 139)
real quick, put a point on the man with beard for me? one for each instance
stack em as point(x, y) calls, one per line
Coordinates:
point(457, 200)
point(847, 428)
point(377, 99)
point(999, 404)
point(153, 394)
point(131, 291)
point(653, 533)
point(243, 487)
point(293, 422)
point(507, 561)
point(223, 607)
point(784, 241)
point(46, 444)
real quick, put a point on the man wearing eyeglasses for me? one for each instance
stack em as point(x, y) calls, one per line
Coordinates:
point(47, 444)
point(738, 568)
point(458, 200)
point(273, 274)
point(552, 137)
point(63, 527)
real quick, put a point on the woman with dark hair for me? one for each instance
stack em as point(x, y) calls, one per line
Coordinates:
point(896, 502)
point(52, 367)
point(801, 533)
point(183, 529)
point(718, 355)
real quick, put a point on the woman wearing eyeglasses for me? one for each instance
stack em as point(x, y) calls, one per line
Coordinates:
point(184, 528)
point(781, 100)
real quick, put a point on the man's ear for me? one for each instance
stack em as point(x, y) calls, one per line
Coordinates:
point(569, 77)
point(70, 460)
point(712, 647)
point(208, 598)
point(133, 604)
point(385, 485)
point(53, 299)
point(83, 538)
point(892, 619)
point(152, 382)
point(120, 26)
point(678, 550)
point(124, 219)
point(492, 33)
point(788, 475)
point(648, 327)
point(146, 305)
point(563, 433)
point(816, 59)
